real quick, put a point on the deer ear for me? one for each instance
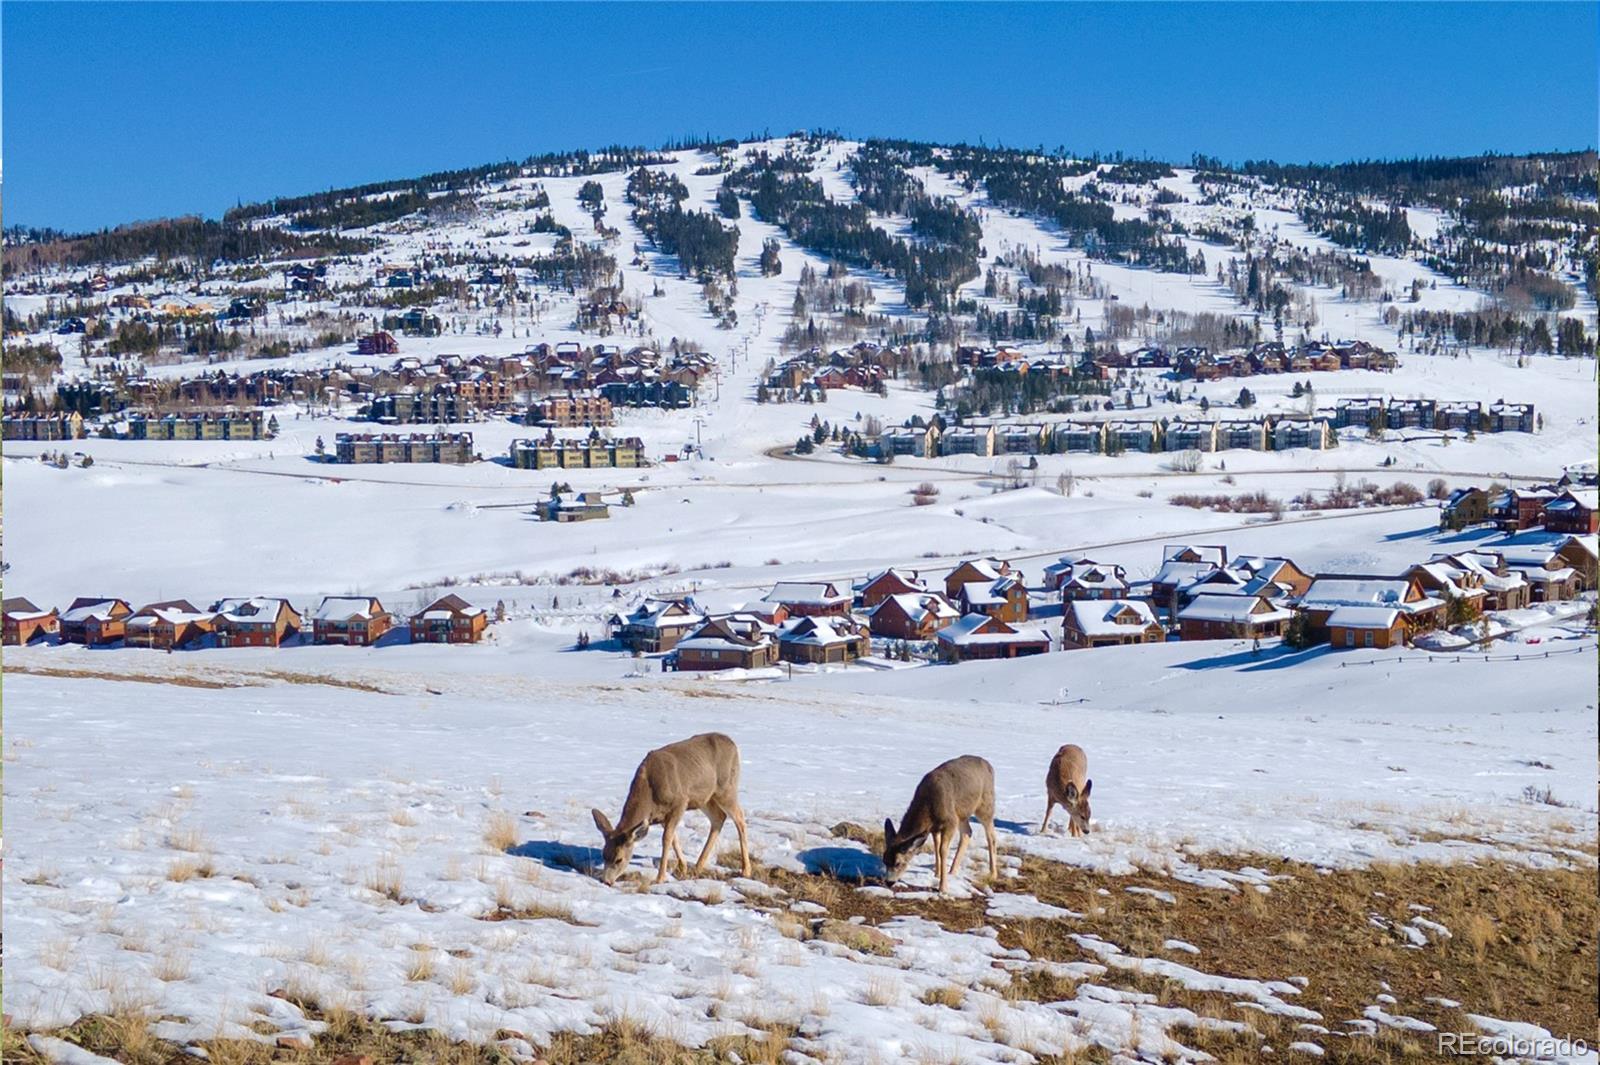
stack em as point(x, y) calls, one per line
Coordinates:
point(640, 832)
point(602, 822)
point(888, 830)
point(1088, 786)
point(1071, 794)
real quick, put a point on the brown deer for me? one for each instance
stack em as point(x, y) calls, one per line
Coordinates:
point(942, 806)
point(699, 773)
point(1067, 784)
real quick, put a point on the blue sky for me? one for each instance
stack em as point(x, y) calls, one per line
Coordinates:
point(127, 111)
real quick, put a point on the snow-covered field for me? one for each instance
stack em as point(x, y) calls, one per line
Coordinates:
point(190, 832)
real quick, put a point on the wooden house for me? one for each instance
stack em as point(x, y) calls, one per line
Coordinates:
point(1004, 598)
point(1512, 417)
point(810, 598)
point(1360, 594)
point(974, 569)
point(978, 636)
point(1243, 434)
point(93, 621)
point(656, 625)
point(352, 620)
point(254, 622)
point(24, 622)
point(1231, 617)
point(1084, 578)
point(1366, 626)
point(911, 616)
point(968, 440)
point(449, 619)
point(892, 581)
point(1574, 512)
point(731, 642)
point(919, 441)
point(166, 626)
point(1089, 623)
point(1071, 437)
point(1464, 507)
point(823, 640)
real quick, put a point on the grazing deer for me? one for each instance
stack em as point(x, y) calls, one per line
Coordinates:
point(942, 806)
point(699, 773)
point(1067, 784)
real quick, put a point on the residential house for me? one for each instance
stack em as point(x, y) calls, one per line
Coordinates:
point(656, 625)
point(596, 452)
point(1363, 593)
point(449, 619)
point(24, 622)
point(1232, 617)
point(1108, 622)
point(968, 440)
point(810, 598)
point(920, 441)
point(1243, 434)
point(451, 448)
point(1133, 436)
point(911, 615)
point(1283, 578)
point(1021, 439)
point(1464, 507)
point(1182, 564)
point(1461, 415)
point(1360, 413)
point(1574, 511)
point(823, 640)
point(1087, 437)
point(166, 626)
point(731, 642)
point(1084, 578)
point(93, 621)
point(254, 622)
point(974, 569)
point(892, 581)
point(570, 410)
point(353, 620)
point(379, 343)
point(1191, 436)
point(1365, 626)
point(1004, 598)
point(978, 636)
point(573, 506)
point(1556, 567)
point(1516, 509)
point(1461, 587)
point(1312, 433)
point(1412, 414)
point(1512, 417)
point(1503, 587)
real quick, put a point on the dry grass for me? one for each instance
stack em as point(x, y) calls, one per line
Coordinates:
point(386, 879)
point(500, 832)
point(182, 869)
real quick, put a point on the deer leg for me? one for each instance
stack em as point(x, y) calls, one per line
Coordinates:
point(961, 850)
point(737, 813)
point(669, 842)
point(677, 852)
point(940, 845)
point(1048, 807)
point(994, 860)
point(717, 816)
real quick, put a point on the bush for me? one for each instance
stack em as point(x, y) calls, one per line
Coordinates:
point(1437, 489)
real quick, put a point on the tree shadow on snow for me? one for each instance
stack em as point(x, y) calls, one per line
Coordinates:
point(842, 863)
point(555, 855)
point(1014, 827)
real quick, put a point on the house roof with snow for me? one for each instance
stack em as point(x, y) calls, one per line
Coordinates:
point(1234, 609)
point(20, 609)
point(1364, 617)
point(348, 608)
point(820, 632)
point(918, 605)
point(980, 628)
point(253, 610)
point(95, 609)
point(1107, 617)
point(449, 606)
point(806, 593)
point(1330, 593)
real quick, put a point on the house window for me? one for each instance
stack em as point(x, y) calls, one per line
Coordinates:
point(1349, 637)
point(1369, 638)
